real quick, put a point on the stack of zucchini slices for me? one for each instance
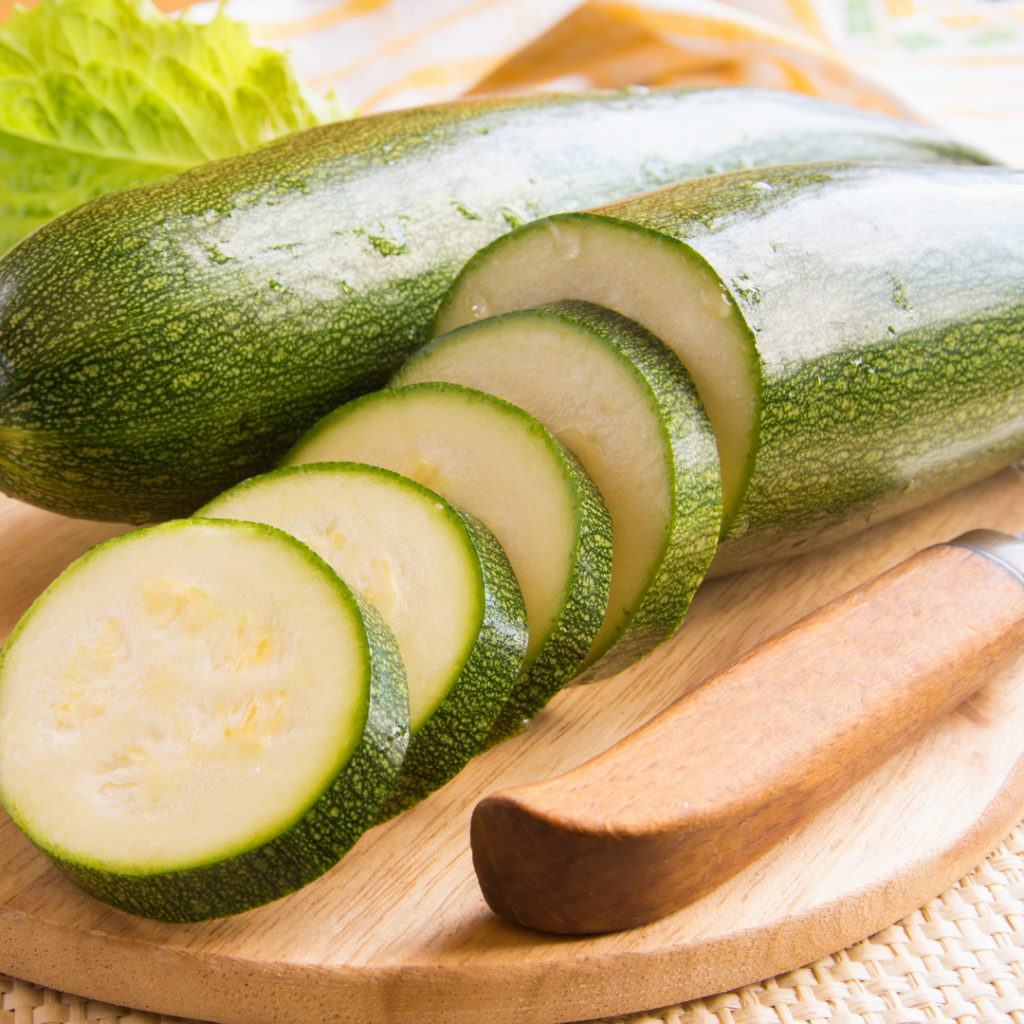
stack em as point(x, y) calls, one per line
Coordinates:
point(201, 717)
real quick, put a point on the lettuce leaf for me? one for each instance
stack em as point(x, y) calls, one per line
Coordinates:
point(99, 94)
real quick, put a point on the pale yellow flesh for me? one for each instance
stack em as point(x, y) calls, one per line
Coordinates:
point(482, 458)
point(603, 413)
point(648, 279)
point(176, 699)
point(393, 544)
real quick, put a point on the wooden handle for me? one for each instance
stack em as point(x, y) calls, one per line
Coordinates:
point(729, 771)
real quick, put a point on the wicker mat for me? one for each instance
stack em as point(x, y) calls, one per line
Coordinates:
point(960, 957)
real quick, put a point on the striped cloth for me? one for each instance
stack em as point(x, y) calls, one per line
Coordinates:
point(958, 64)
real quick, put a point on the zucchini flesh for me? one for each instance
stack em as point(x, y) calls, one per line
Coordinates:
point(186, 741)
point(160, 344)
point(440, 581)
point(503, 467)
point(870, 317)
point(623, 404)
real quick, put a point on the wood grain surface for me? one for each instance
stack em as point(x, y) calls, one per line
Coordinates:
point(399, 931)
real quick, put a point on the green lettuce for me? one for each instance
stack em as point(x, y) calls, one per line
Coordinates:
point(96, 95)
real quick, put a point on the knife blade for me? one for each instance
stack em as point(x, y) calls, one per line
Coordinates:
point(729, 771)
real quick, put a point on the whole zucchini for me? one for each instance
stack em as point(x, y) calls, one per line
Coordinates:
point(855, 331)
point(159, 344)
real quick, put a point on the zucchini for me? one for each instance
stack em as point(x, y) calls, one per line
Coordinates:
point(160, 344)
point(198, 718)
point(854, 331)
point(439, 580)
point(499, 464)
point(624, 405)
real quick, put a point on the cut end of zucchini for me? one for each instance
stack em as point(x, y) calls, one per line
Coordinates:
point(654, 280)
point(179, 699)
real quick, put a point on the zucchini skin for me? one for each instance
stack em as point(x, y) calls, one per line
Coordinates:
point(438, 752)
point(695, 515)
point(886, 305)
point(581, 615)
point(159, 344)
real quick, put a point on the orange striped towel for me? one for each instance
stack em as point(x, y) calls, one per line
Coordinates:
point(955, 63)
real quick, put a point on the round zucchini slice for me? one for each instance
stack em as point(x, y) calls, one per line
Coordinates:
point(625, 406)
point(199, 718)
point(439, 580)
point(498, 463)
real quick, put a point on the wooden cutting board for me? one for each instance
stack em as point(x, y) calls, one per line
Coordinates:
point(398, 931)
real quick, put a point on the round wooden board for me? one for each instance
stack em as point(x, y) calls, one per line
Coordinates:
point(398, 931)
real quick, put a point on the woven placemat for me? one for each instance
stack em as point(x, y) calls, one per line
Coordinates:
point(960, 957)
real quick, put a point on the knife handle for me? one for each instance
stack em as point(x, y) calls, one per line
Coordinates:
point(729, 771)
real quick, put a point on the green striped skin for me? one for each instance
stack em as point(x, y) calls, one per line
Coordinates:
point(323, 833)
point(581, 616)
point(459, 726)
point(160, 344)
point(482, 672)
point(547, 668)
point(686, 448)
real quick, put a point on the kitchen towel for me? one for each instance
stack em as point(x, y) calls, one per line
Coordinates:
point(958, 64)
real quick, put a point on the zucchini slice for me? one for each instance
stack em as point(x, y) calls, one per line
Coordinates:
point(854, 331)
point(198, 718)
point(502, 466)
point(439, 580)
point(625, 406)
point(160, 344)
